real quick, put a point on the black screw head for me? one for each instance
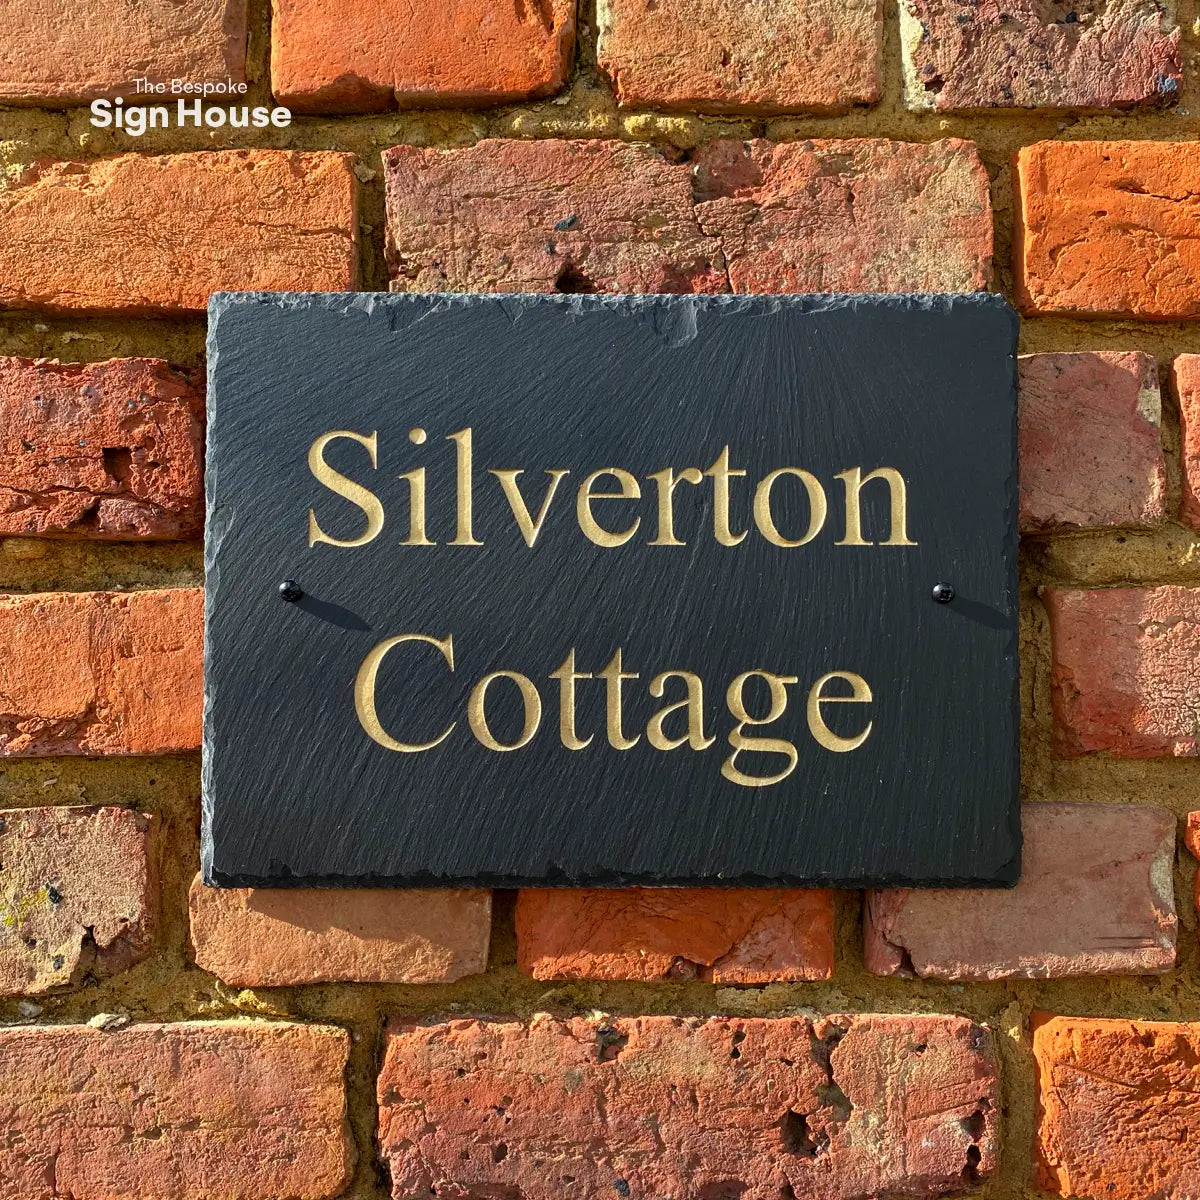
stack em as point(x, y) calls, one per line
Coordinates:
point(290, 591)
point(943, 593)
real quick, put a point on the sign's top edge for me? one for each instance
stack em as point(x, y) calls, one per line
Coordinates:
point(770, 301)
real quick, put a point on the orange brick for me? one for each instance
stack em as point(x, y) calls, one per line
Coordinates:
point(1109, 229)
point(102, 450)
point(51, 56)
point(720, 56)
point(101, 672)
point(1118, 1107)
point(193, 1111)
point(370, 55)
point(280, 937)
point(1185, 376)
point(151, 235)
point(726, 935)
point(836, 1108)
point(855, 215)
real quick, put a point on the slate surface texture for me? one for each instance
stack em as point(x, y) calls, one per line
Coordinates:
point(297, 793)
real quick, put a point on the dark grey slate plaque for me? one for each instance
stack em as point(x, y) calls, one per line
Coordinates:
point(314, 708)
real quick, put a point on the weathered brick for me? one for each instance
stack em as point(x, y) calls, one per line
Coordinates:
point(862, 215)
point(1089, 441)
point(688, 1107)
point(541, 216)
point(545, 216)
point(726, 935)
point(192, 1111)
point(1108, 229)
point(279, 937)
point(371, 55)
point(51, 61)
point(1118, 1107)
point(101, 672)
point(1185, 377)
point(714, 55)
point(1025, 54)
point(104, 450)
point(1095, 898)
point(1126, 673)
point(141, 234)
point(79, 895)
point(1191, 839)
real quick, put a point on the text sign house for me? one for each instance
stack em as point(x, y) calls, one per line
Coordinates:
point(592, 590)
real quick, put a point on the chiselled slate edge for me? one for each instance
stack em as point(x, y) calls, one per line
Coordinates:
point(674, 319)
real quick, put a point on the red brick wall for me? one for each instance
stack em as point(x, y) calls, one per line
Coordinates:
point(163, 1040)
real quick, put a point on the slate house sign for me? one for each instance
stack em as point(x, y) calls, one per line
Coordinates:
point(611, 590)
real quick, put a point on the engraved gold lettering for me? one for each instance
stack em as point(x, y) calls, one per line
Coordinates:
point(613, 678)
point(737, 739)
point(860, 694)
point(667, 482)
point(464, 491)
point(416, 509)
point(694, 704)
point(416, 498)
point(854, 481)
point(364, 691)
point(721, 473)
point(566, 676)
point(529, 527)
point(817, 507)
point(630, 490)
point(477, 717)
point(336, 482)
